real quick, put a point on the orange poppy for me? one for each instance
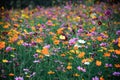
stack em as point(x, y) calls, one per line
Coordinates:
point(117, 65)
point(117, 52)
point(81, 55)
point(106, 54)
point(99, 38)
point(98, 63)
point(45, 51)
point(2, 45)
point(11, 74)
point(56, 42)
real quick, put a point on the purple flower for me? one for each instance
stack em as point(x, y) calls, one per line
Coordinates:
point(35, 55)
point(118, 32)
point(108, 12)
point(19, 78)
point(8, 49)
point(81, 69)
point(116, 73)
point(47, 46)
point(108, 65)
point(103, 44)
point(73, 41)
point(95, 78)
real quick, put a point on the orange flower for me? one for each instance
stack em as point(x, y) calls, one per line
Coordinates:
point(60, 30)
point(106, 54)
point(11, 74)
point(41, 56)
point(101, 78)
point(117, 52)
point(45, 51)
point(117, 65)
point(56, 42)
point(39, 40)
point(16, 25)
point(2, 45)
point(99, 38)
point(81, 55)
point(6, 26)
point(98, 63)
point(69, 67)
point(93, 29)
point(63, 55)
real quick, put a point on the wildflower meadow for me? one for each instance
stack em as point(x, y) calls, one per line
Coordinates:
point(67, 42)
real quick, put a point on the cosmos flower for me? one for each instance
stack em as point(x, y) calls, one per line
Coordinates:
point(81, 69)
point(81, 41)
point(116, 73)
point(118, 32)
point(73, 41)
point(19, 78)
point(95, 78)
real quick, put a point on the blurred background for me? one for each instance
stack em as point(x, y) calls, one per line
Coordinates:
point(20, 4)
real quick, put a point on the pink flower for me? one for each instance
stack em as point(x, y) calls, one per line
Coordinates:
point(81, 69)
point(19, 78)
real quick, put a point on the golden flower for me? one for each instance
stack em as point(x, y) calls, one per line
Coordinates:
point(41, 56)
point(39, 40)
point(56, 42)
point(117, 65)
point(4, 60)
point(69, 67)
point(63, 55)
point(20, 42)
point(6, 26)
point(81, 55)
point(51, 72)
point(76, 75)
point(98, 63)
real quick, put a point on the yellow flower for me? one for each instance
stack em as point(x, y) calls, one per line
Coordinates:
point(4, 60)
point(76, 75)
point(38, 51)
point(51, 72)
point(20, 42)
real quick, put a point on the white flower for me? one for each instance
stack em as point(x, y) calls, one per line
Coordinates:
point(77, 45)
point(81, 41)
point(87, 63)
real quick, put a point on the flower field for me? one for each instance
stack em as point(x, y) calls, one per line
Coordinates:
point(71, 42)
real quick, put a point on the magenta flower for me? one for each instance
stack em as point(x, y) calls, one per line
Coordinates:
point(73, 41)
point(19, 78)
point(116, 73)
point(81, 69)
point(8, 49)
point(95, 78)
point(118, 32)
